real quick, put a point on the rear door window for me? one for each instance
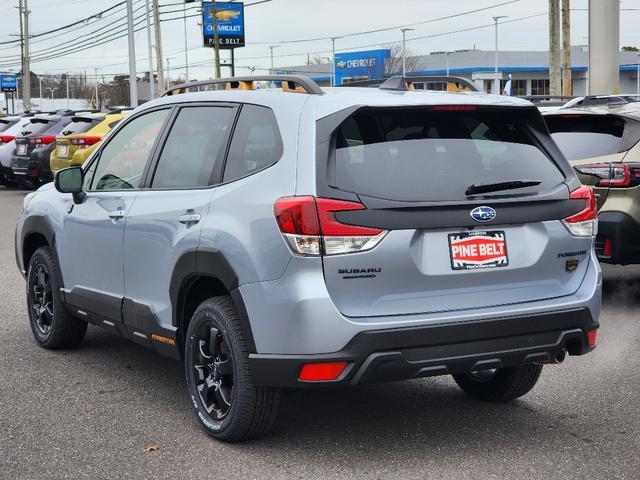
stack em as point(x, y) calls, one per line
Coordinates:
point(256, 143)
point(422, 155)
point(586, 136)
point(193, 147)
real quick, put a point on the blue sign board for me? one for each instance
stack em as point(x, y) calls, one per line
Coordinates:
point(354, 66)
point(8, 83)
point(230, 16)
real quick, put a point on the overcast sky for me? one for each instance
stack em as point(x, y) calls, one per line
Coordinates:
point(281, 20)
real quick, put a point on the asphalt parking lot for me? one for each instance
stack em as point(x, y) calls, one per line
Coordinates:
point(90, 412)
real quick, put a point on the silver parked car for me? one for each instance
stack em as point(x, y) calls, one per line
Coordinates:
point(308, 237)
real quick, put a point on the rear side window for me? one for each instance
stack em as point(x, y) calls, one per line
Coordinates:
point(422, 155)
point(193, 147)
point(586, 136)
point(256, 143)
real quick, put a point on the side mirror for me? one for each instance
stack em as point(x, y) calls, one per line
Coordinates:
point(70, 180)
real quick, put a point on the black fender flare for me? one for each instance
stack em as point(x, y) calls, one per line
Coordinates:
point(36, 224)
point(207, 263)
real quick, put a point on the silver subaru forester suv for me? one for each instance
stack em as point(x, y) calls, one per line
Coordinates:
point(295, 236)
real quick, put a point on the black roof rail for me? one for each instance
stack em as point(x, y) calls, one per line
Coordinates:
point(402, 84)
point(290, 83)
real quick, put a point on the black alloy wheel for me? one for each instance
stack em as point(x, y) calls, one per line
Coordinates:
point(41, 300)
point(213, 371)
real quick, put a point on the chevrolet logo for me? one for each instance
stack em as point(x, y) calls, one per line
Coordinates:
point(341, 64)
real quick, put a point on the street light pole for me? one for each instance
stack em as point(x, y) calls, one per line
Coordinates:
point(404, 50)
point(168, 74)
point(271, 47)
point(26, 70)
point(496, 81)
point(333, 60)
point(159, 58)
point(186, 51)
point(216, 38)
point(133, 86)
point(638, 76)
point(68, 99)
point(150, 53)
point(95, 100)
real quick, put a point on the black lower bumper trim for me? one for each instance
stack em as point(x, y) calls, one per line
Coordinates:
point(398, 354)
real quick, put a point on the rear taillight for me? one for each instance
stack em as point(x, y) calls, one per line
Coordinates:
point(310, 227)
point(85, 142)
point(42, 141)
point(615, 175)
point(585, 222)
point(6, 139)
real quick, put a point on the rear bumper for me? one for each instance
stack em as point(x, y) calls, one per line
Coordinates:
point(403, 353)
point(624, 234)
point(38, 162)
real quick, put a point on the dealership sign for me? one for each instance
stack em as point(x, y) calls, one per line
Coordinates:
point(8, 83)
point(354, 66)
point(230, 17)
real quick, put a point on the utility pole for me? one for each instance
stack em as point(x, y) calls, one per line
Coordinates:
point(186, 51)
point(26, 68)
point(404, 50)
point(40, 85)
point(333, 60)
point(150, 52)
point(95, 100)
point(133, 85)
point(159, 58)
point(496, 81)
point(68, 99)
point(216, 38)
point(567, 86)
point(555, 75)
point(604, 47)
point(271, 48)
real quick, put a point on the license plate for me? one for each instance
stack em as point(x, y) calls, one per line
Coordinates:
point(22, 149)
point(63, 150)
point(476, 250)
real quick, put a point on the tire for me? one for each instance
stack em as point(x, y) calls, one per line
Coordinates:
point(501, 385)
point(232, 408)
point(52, 326)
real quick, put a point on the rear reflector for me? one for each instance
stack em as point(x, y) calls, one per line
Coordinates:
point(321, 372)
point(310, 226)
point(592, 336)
point(585, 222)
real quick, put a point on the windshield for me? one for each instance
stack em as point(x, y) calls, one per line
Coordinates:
point(419, 155)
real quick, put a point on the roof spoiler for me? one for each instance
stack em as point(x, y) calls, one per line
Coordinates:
point(402, 84)
point(290, 83)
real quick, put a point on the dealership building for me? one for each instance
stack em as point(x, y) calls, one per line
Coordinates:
point(529, 69)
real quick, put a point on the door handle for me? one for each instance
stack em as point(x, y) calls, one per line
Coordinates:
point(189, 218)
point(116, 215)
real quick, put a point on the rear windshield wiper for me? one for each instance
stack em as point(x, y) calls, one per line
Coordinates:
point(477, 188)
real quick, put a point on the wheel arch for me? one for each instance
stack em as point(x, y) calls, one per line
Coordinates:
point(198, 275)
point(36, 232)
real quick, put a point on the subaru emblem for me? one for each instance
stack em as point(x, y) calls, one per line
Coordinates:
point(483, 214)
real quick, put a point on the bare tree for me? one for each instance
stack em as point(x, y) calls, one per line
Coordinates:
point(318, 60)
point(394, 62)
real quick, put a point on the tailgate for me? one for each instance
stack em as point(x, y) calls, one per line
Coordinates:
point(472, 204)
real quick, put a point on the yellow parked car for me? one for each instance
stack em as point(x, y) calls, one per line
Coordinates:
point(75, 149)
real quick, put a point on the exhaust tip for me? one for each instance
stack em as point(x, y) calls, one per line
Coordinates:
point(561, 356)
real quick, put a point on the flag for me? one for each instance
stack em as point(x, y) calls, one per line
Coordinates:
point(507, 88)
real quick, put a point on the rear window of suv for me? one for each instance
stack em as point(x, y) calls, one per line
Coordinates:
point(422, 155)
point(586, 136)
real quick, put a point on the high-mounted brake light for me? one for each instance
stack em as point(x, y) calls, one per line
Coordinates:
point(7, 138)
point(585, 222)
point(454, 108)
point(85, 142)
point(310, 226)
point(614, 175)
